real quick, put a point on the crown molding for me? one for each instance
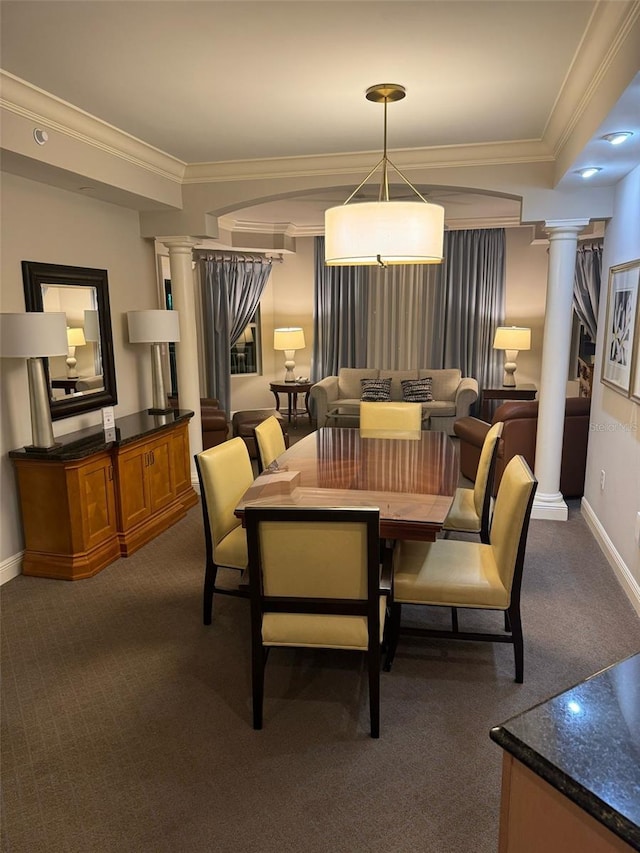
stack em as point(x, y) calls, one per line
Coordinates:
point(438, 157)
point(40, 107)
point(604, 37)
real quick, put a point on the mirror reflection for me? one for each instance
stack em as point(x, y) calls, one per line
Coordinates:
point(84, 379)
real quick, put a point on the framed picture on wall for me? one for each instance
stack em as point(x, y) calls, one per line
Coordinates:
point(621, 327)
point(634, 393)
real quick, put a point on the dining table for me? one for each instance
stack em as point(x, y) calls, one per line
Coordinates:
point(411, 478)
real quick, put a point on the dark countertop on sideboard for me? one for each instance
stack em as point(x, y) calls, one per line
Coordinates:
point(585, 742)
point(86, 442)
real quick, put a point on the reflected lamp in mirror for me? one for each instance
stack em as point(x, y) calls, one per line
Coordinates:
point(33, 336)
point(155, 327)
point(75, 338)
point(289, 340)
point(511, 339)
point(245, 338)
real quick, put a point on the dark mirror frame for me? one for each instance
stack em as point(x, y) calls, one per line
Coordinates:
point(34, 275)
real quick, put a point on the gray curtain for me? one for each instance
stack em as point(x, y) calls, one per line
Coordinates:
point(586, 287)
point(474, 287)
point(339, 317)
point(231, 290)
point(415, 315)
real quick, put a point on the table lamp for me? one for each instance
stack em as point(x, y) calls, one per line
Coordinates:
point(245, 338)
point(155, 327)
point(35, 335)
point(75, 338)
point(511, 339)
point(289, 339)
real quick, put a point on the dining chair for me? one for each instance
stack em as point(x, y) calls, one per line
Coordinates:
point(270, 442)
point(390, 416)
point(471, 508)
point(224, 473)
point(461, 574)
point(315, 582)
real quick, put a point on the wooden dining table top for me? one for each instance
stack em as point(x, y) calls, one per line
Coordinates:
point(412, 480)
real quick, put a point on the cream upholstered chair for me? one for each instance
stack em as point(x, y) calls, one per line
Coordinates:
point(460, 574)
point(225, 473)
point(471, 508)
point(315, 582)
point(401, 418)
point(269, 441)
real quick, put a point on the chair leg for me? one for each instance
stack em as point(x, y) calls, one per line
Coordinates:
point(507, 623)
point(454, 619)
point(374, 689)
point(518, 642)
point(210, 573)
point(258, 660)
point(394, 632)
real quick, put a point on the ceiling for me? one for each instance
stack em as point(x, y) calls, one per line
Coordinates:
point(209, 82)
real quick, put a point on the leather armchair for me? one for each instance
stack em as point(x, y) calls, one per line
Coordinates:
point(215, 428)
point(519, 437)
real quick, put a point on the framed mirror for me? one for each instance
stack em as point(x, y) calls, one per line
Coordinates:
point(85, 379)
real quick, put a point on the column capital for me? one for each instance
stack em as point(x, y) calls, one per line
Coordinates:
point(565, 226)
point(179, 244)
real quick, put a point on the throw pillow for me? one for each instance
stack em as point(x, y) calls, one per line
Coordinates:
point(417, 390)
point(376, 390)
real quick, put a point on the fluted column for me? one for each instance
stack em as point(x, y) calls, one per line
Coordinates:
point(556, 345)
point(180, 263)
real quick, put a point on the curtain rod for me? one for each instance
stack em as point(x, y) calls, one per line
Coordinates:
point(205, 255)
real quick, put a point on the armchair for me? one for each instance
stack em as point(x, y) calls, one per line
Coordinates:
point(214, 421)
point(519, 437)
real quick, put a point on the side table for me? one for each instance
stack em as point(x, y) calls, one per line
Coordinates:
point(292, 389)
point(518, 392)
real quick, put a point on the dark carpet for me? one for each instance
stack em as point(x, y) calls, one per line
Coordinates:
point(126, 724)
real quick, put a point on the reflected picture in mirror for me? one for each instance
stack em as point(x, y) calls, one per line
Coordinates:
point(84, 379)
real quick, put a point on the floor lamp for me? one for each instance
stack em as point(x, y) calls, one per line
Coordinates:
point(35, 335)
point(155, 327)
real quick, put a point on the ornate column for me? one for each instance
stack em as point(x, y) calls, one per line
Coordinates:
point(180, 263)
point(563, 242)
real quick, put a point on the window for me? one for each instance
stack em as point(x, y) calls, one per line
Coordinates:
point(246, 352)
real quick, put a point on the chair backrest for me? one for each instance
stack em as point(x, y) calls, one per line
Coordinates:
point(225, 474)
point(510, 523)
point(270, 441)
point(312, 560)
point(486, 468)
point(390, 416)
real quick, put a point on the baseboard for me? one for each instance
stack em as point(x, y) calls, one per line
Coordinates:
point(11, 568)
point(624, 576)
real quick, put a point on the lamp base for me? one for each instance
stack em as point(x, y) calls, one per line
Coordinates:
point(33, 448)
point(509, 379)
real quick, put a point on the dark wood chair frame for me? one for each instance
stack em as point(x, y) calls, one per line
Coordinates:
point(211, 567)
point(378, 584)
point(512, 619)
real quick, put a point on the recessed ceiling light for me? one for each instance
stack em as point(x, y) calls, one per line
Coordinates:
point(617, 138)
point(40, 136)
point(589, 172)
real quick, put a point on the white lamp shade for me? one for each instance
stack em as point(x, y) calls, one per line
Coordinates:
point(247, 336)
point(75, 337)
point(399, 232)
point(288, 338)
point(512, 337)
point(153, 326)
point(33, 334)
point(91, 327)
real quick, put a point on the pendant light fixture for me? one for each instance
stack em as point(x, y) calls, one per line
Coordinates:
point(384, 232)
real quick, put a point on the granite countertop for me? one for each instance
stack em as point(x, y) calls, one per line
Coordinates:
point(585, 742)
point(85, 442)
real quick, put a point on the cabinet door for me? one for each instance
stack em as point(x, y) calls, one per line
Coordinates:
point(160, 472)
point(181, 461)
point(133, 481)
point(97, 504)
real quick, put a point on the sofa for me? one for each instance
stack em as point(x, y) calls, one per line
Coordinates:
point(520, 421)
point(215, 427)
point(336, 399)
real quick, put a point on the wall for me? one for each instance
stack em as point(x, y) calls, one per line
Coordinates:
point(614, 443)
point(41, 223)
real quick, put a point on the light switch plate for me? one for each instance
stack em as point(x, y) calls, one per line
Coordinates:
point(108, 418)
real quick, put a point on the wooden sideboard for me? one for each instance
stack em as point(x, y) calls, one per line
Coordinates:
point(91, 500)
